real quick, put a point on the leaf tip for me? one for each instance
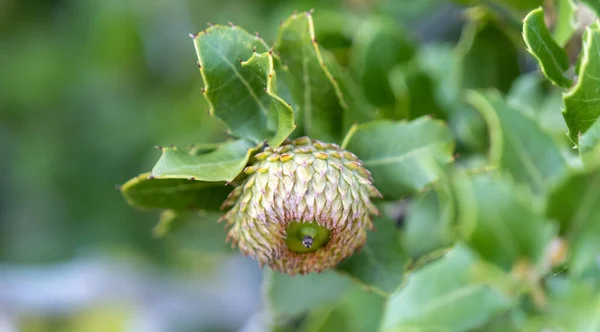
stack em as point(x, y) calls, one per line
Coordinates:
point(159, 147)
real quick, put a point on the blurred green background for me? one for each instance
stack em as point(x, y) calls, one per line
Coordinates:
point(87, 88)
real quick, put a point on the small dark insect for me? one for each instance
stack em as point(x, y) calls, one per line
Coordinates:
point(307, 241)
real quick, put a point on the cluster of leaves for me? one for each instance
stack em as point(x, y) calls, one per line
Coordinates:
point(499, 216)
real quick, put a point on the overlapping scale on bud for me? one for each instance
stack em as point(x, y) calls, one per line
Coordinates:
point(303, 207)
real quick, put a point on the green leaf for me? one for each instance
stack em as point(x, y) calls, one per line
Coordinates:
point(328, 318)
point(403, 157)
point(287, 296)
point(378, 46)
point(507, 322)
point(576, 205)
point(565, 24)
point(415, 93)
point(531, 94)
point(582, 102)
point(589, 146)
point(451, 294)
point(571, 307)
point(335, 31)
point(429, 221)
point(518, 5)
point(440, 62)
point(149, 192)
point(498, 220)
point(488, 56)
point(318, 97)
point(358, 110)
point(381, 262)
point(224, 163)
point(281, 116)
point(552, 58)
point(356, 311)
point(518, 144)
point(193, 231)
point(443, 65)
point(241, 93)
point(527, 93)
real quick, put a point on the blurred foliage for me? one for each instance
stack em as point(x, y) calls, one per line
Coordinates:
point(504, 238)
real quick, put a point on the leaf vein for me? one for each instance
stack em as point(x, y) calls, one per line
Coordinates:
point(241, 78)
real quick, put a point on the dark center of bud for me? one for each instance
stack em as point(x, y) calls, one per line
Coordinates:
point(307, 241)
point(303, 237)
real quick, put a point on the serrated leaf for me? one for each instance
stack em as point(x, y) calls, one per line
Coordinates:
point(565, 24)
point(451, 294)
point(281, 116)
point(318, 96)
point(571, 306)
point(487, 55)
point(589, 146)
point(518, 144)
point(224, 163)
point(378, 46)
point(288, 296)
point(429, 221)
point(582, 102)
point(193, 231)
point(576, 205)
point(148, 192)
point(403, 157)
point(497, 219)
point(381, 262)
point(552, 58)
point(356, 311)
point(241, 93)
